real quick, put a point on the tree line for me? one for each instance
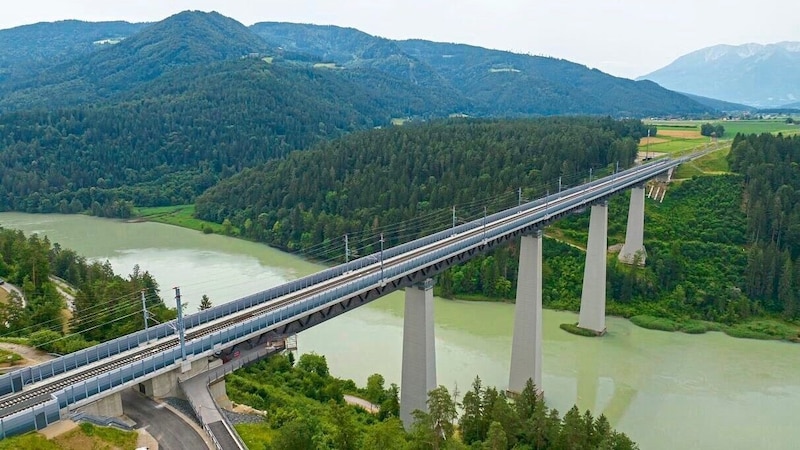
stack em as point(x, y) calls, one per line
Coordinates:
point(304, 409)
point(105, 306)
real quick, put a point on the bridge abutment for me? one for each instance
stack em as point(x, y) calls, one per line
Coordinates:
point(108, 406)
point(633, 251)
point(418, 376)
point(526, 345)
point(593, 297)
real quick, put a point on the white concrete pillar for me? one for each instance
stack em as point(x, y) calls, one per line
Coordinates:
point(634, 235)
point(418, 375)
point(593, 296)
point(526, 345)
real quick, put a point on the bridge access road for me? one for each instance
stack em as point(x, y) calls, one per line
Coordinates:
point(170, 430)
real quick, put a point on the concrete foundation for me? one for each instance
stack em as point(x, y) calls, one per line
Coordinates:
point(219, 394)
point(593, 296)
point(633, 251)
point(526, 346)
point(166, 384)
point(418, 376)
point(108, 406)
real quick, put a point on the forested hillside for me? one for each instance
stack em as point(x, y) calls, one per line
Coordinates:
point(368, 181)
point(172, 140)
point(28, 48)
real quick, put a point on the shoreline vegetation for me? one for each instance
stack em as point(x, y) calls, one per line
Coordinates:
point(763, 328)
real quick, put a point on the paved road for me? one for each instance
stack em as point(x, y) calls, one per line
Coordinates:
point(65, 290)
point(357, 401)
point(11, 288)
point(171, 432)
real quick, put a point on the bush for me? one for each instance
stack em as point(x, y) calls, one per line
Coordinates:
point(762, 329)
point(575, 329)
point(655, 323)
point(207, 229)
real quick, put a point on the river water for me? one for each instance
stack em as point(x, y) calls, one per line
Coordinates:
point(665, 390)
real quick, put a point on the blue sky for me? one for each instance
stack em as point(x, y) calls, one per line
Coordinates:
point(626, 38)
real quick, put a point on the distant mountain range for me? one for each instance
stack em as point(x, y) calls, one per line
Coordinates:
point(763, 76)
point(76, 63)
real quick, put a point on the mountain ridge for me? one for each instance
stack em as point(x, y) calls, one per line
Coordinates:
point(184, 39)
point(759, 75)
point(462, 79)
point(498, 83)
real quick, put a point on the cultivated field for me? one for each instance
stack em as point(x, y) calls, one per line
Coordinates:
point(679, 136)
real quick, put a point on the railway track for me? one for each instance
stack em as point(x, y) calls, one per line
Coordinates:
point(41, 392)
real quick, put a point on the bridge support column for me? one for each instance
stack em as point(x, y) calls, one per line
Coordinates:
point(418, 376)
point(593, 296)
point(526, 346)
point(633, 250)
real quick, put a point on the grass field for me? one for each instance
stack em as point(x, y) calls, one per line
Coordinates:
point(683, 136)
point(180, 215)
point(8, 358)
point(715, 163)
point(85, 437)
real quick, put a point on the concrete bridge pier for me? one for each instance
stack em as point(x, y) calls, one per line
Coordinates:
point(633, 250)
point(418, 375)
point(526, 345)
point(593, 297)
point(166, 384)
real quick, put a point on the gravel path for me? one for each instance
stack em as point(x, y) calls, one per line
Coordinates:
point(237, 418)
point(30, 355)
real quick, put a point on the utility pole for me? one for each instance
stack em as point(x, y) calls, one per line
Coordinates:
point(346, 249)
point(546, 202)
point(484, 224)
point(590, 174)
point(180, 323)
point(454, 220)
point(144, 311)
point(519, 197)
point(559, 185)
point(382, 240)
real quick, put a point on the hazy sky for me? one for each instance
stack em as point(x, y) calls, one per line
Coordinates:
point(622, 37)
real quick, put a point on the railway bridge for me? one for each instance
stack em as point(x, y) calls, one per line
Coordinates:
point(156, 359)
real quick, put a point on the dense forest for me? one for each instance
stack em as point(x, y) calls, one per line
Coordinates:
point(172, 141)
point(305, 409)
point(771, 169)
point(413, 175)
point(105, 306)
